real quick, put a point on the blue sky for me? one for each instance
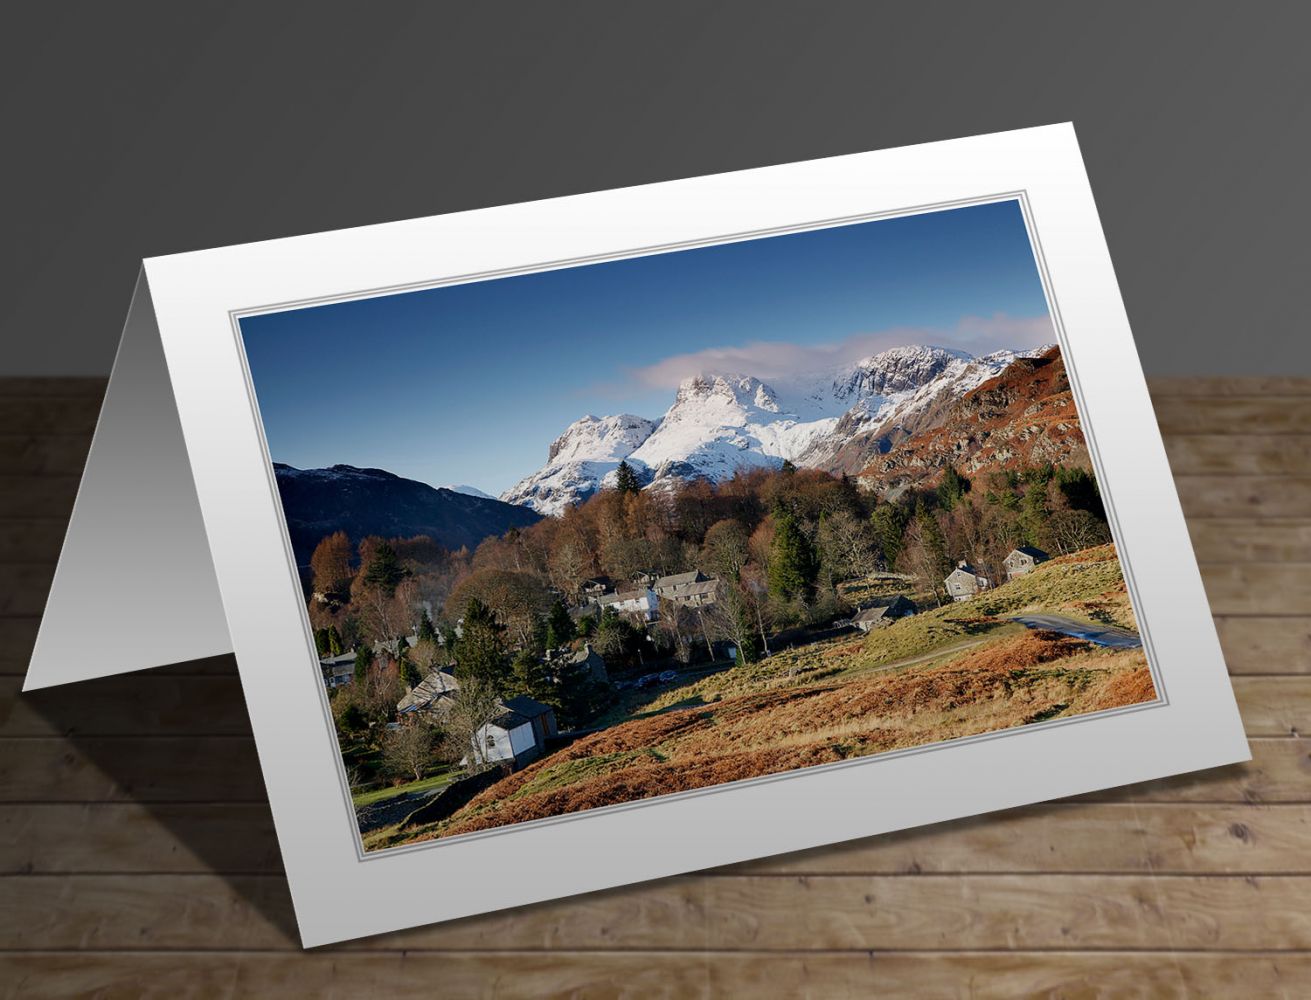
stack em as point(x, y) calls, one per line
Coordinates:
point(470, 384)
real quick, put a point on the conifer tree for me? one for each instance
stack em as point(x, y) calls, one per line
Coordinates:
point(626, 479)
point(792, 564)
point(952, 488)
point(426, 629)
point(385, 570)
point(560, 629)
point(480, 652)
point(363, 661)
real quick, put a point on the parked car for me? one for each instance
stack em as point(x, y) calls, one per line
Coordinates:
point(668, 676)
point(648, 680)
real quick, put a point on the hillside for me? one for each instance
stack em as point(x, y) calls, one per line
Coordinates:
point(1023, 417)
point(363, 502)
point(947, 673)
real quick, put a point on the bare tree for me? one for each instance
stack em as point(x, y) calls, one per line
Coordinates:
point(408, 750)
point(676, 623)
point(1072, 530)
point(733, 618)
point(471, 709)
point(847, 545)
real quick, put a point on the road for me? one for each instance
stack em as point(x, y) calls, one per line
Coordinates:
point(1102, 635)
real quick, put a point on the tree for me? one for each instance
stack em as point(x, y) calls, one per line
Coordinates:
point(889, 523)
point(426, 629)
point(411, 676)
point(727, 548)
point(678, 625)
point(480, 653)
point(626, 479)
point(531, 676)
point(408, 750)
point(846, 545)
point(331, 566)
point(792, 564)
point(733, 618)
point(560, 629)
point(1072, 530)
point(951, 488)
point(472, 708)
point(385, 570)
point(363, 661)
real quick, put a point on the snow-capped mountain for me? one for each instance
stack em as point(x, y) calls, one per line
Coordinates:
point(722, 422)
point(579, 460)
point(469, 491)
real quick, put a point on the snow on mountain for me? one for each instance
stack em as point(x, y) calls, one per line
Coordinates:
point(469, 491)
point(578, 461)
point(722, 422)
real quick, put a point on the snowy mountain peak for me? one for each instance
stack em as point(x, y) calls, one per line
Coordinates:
point(721, 422)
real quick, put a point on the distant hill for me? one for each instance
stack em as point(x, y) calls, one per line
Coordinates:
point(363, 502)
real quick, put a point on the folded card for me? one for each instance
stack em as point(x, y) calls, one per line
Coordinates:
point(580, 542)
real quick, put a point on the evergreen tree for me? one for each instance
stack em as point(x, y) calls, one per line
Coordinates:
point(952, 488)
point(363, 661)
point(426, 629)
point(889, 521)
point(480, 653)
point(538, 633)
point(410, 674)
point(335, 646)
point(321, 641)
point(788, 467)
point(532, 678)
point(560, 629)
point(1033, 515)
point(935, 545)
point(626, 479)
point(792, 564)
point(385, 570)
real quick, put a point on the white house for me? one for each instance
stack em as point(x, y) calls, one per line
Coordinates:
point(641, 603)
point(519, 733)
point(965, 582)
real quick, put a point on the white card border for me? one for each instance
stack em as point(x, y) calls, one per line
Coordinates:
point(337, 895)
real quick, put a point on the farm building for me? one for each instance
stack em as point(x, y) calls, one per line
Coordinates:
point(1023, 560)
point(965, 581)
point(884, 612)
point(519, 732)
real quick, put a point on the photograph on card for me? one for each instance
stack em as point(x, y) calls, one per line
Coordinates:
point(590, 535)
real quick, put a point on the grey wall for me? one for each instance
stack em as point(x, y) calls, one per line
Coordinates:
point(138, 129)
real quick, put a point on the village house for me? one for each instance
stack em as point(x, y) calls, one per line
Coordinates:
point(693, 590)
point(338, 671)
point(589, 660)
point(641, 603)
point(965, 582)
point(884, 612)
point(594, 589)
point(424, 695)
point(1023, 560)
point(519, 733)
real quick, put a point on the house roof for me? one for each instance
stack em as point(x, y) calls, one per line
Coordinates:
point(871, 614)
point(438, 682)
point(678, 579)
point(1029, 550)
point(529, 708)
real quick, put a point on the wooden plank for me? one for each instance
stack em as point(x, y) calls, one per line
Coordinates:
point(170, 975)
point(1248, 497)
point(1060, 837)
point(186, 769)
point(226, 769)
point(1234, 540)
point(51, 385)
point(755, 913)
point(30, 541)
point(1258, 588)
point(1274, 706)
point(1064, 837)
point(50, 414)
point(151, 702)
point(1240, 454)
point(1266, 645)
point(1228, 385)
point(505, 975)
point(24, 588)
point(1237, 415)
point(48, 498)
point(43, 455)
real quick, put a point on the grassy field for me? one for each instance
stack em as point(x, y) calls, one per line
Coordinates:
point(429, 784)
point(946, 673)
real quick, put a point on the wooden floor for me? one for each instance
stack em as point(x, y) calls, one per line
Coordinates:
point(139, 858)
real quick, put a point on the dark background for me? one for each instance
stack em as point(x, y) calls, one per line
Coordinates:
point(138, 129)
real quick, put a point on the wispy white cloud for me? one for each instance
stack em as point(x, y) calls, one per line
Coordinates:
point(773, 359)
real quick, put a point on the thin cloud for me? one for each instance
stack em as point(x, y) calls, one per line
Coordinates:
point(773, 359)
